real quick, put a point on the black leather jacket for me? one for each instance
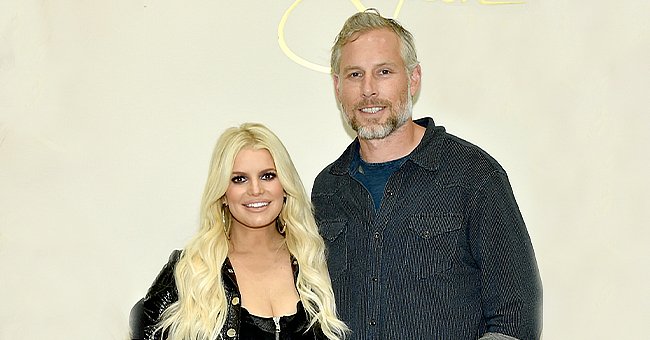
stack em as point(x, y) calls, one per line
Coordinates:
point(163, 293)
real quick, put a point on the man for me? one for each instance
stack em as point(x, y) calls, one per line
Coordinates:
point(425, 239)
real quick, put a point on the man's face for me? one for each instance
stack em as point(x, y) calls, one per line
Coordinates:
point(373, 88)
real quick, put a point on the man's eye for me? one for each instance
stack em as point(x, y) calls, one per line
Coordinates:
point(385, 72)
point(238, 179)
point(269, 176)
point(355, 74)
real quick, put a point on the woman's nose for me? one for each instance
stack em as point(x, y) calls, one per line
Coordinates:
point(255, 187)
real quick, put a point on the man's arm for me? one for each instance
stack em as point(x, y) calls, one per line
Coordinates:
point(511, 287)
point(496, 336)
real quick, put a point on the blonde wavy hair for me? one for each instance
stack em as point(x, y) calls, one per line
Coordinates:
point(370, 20)
point(201, 309)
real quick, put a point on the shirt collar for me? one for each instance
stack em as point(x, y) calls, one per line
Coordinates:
point(424, 154)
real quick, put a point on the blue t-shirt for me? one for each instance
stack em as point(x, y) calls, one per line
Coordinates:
point(374, 176)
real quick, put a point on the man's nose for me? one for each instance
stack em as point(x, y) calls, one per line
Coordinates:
point(369, 87)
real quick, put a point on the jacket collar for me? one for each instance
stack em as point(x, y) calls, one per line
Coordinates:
point(424, 155)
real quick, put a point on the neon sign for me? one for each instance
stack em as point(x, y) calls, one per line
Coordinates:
point(360, 7)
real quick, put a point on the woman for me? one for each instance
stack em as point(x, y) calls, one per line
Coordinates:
point(256, 269)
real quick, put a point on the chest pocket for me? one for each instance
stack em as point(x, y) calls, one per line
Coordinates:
point(335, 235)
point(433, 243)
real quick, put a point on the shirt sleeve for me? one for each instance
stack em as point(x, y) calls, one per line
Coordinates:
point(161, 294)
point(511, 288)
point(496, 336)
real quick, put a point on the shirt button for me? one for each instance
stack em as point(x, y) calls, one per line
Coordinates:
point(235, 301)
point(376, 235)
point(231, 332)
point(375, 279)
point(372, 322)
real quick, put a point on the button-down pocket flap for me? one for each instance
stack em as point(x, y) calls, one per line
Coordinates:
point(430, 225)
point(433, 242)
point(331, 230)
point(333, 233)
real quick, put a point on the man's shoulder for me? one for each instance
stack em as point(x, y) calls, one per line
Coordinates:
point(325, 181)
point(440, 147)
point(329, 176)
point(458, 161)
point(459, 147)
point(326, 171)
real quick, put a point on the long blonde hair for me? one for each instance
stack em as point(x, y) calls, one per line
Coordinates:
point(201, 309)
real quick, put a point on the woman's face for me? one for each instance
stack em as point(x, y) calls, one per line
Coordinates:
point(255, 195)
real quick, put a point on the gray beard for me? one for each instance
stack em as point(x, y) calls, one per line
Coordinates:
point(375, 130)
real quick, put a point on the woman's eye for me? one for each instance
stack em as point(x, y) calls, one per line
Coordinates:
point(238, 179)
point(269, 176)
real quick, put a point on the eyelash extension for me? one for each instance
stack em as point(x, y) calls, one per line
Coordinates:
point(237, 179)
point(270, 173)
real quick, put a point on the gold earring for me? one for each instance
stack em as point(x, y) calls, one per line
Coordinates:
point(279, 223)
point(281, 226)
point(226, 226)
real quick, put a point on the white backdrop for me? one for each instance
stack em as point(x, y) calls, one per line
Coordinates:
point(109, 111)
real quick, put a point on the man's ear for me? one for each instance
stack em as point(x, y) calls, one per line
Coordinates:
point(335, 81)
point(416, 76)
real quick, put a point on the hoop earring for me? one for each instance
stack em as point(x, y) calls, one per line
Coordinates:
point(281, 226)
point(226, 226)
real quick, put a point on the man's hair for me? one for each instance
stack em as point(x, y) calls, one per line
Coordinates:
point(367, 21)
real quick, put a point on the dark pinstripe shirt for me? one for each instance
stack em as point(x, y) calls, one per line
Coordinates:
point(447, 256)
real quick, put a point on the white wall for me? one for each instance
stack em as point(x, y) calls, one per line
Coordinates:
point(109, 111)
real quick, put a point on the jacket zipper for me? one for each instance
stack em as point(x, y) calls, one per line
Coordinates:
point(276, 319)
